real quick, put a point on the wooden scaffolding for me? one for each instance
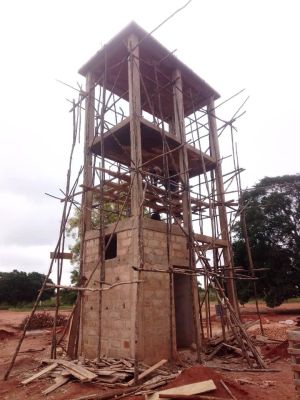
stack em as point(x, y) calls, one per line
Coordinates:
point(151, 153)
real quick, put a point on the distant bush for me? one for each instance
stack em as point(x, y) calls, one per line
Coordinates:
point(43, 320)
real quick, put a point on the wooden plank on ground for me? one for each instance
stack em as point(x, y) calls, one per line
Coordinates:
point(149, 370)
point(104, 372)
point(76, 370)
point(186, 390)
point(127, 363)
point(42, 372)
point(60, 380)
point(108, 379)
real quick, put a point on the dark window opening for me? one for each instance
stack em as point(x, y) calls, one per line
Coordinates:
point(111, 250)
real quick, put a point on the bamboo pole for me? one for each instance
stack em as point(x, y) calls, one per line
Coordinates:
point(62, 228)
point(88, 289)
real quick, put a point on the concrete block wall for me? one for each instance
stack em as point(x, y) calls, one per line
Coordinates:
point(90, 305)
point(118, 304)
point(116, 314)
point(179, 251)
point(156, 305)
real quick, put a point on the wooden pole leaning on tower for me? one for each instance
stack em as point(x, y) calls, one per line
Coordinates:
point(215, 152)
point(87, 201)
point(179, 126)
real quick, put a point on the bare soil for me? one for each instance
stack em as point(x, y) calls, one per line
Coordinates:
point(253, 385)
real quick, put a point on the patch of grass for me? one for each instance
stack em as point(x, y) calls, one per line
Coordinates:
point(293, 300)
point(45, 305)
point(21, 307)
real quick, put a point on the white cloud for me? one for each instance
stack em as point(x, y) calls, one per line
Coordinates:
point(31, 258)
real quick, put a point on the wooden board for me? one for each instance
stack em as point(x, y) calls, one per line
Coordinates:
point(65, 256)
point(38, 374)
point(104, 372)
point(149, 370)
point(186, 390)
point(76, 370)
point(60, 380)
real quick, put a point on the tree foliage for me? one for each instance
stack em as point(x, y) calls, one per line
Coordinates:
point(273, 225)
point(21, 287)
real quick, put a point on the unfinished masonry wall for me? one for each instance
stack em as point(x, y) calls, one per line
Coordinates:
point(117, 316)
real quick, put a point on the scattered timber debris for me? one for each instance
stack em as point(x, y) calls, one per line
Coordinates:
point(194, 383)
point(148, 371)
point(231, 346)
point(107, 371)
point(231, 343)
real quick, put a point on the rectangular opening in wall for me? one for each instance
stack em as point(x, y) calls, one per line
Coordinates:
point(183, 310)
point(111, 250)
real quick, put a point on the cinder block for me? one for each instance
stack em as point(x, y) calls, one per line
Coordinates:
point(122, 251)
point(148, 234)
point(125, 242)
point(178, 246)
point(115, 344)
point(159, 252)
point(154, 243)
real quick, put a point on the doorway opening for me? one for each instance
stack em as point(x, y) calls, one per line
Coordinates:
point(183, 310)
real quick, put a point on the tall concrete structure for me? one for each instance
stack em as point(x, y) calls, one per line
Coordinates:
point(147, 168)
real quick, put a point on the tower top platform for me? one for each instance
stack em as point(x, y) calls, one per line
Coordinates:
point(157, 65)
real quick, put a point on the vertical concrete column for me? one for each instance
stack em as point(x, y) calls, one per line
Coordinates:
point(215, 153)
point(89, 132)
point(179, 128)
point(135, 112)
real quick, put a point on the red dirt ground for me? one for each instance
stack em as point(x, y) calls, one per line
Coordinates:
point(260, 386)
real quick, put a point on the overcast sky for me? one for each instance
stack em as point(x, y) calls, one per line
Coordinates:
point(231, 44)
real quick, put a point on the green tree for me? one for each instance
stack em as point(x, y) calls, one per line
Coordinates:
point(273, 224)
point(20, 287)
point(73, 232)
